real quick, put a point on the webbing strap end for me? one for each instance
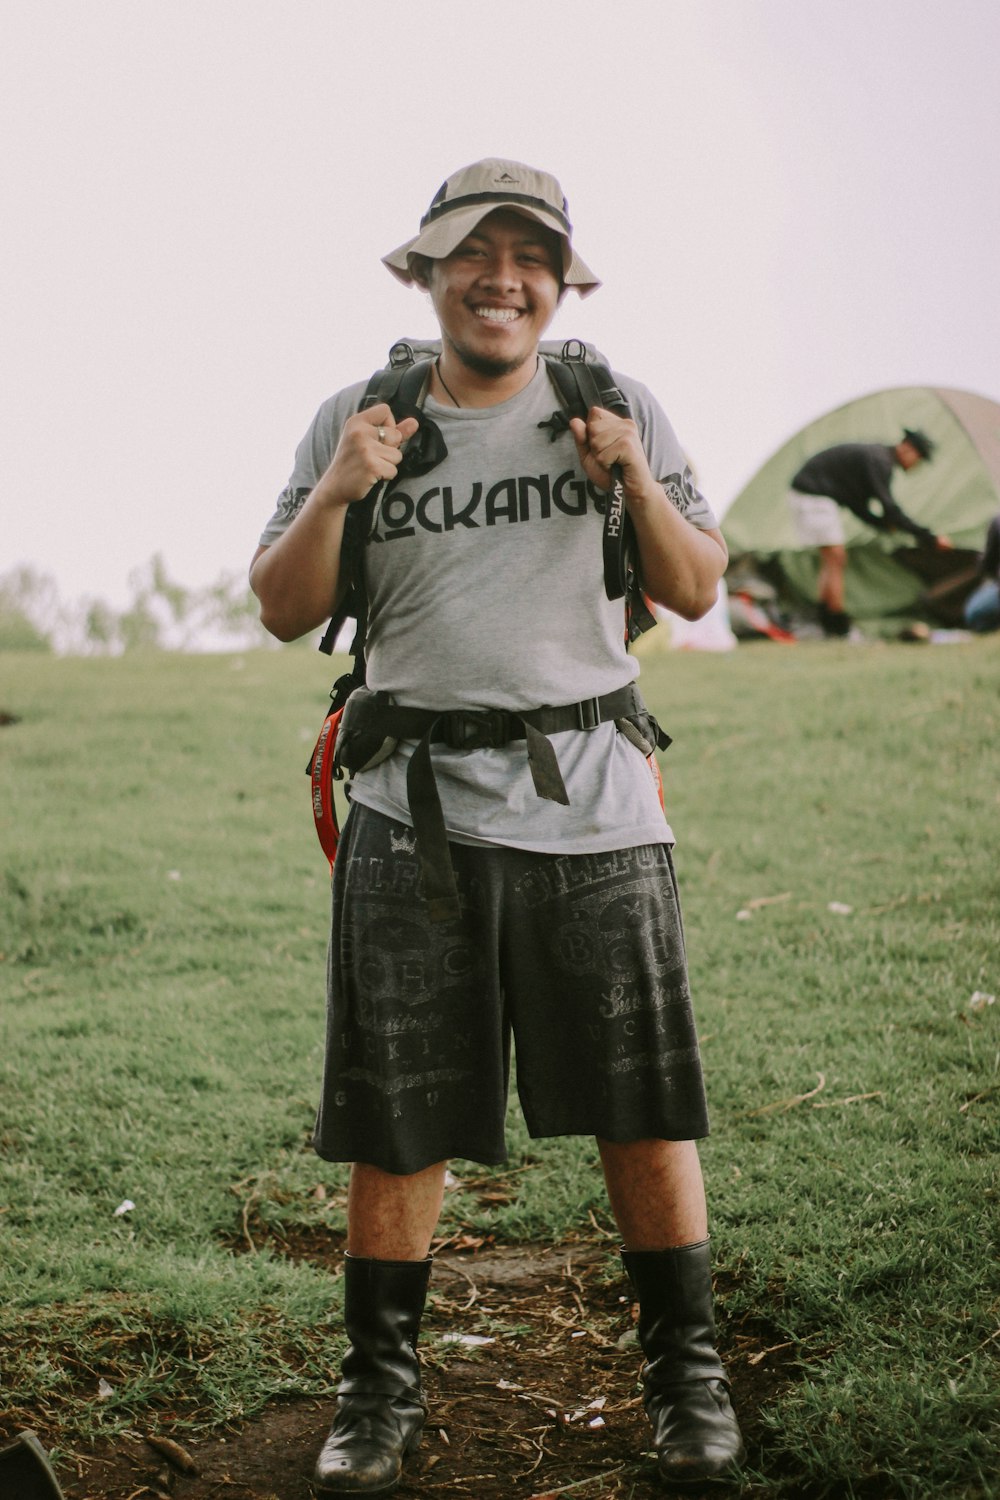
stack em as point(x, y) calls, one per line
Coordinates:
point(546, 776)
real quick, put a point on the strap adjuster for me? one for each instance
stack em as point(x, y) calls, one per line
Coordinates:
point(588, 713)
point(477, 729)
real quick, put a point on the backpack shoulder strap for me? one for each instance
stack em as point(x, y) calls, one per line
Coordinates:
point(399, 384)
point(403, 378)
point(584, 381)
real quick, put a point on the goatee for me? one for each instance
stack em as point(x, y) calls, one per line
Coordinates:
point(492, 369)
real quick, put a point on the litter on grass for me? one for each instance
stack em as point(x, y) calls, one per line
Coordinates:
point(980, 1000)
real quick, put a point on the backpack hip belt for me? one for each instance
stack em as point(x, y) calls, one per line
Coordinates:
point(376, 721)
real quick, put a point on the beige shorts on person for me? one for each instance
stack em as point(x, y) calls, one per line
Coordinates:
point(817, 519)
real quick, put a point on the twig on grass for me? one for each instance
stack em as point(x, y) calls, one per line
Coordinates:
point(755, 1359)
point(245, 1206)
point(784, 1104)
point(874, 911)
point(455, 1488)
point(577, 1484)
point(990, 1340)
point(245, 1219)
point(465, 1277)
point(851, 1099)
point(607, 1234)
point(759, 901)
point(542, 1453)
point(976, 1098)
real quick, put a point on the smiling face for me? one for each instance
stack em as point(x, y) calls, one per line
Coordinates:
point(496, 293)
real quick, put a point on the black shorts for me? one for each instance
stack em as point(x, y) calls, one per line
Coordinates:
point(579, 956)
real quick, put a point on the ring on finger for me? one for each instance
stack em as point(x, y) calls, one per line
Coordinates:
point(381, 434)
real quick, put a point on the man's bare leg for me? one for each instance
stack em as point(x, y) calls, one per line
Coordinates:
point(656, 1192)
point(392, 1217)
point(832, 566)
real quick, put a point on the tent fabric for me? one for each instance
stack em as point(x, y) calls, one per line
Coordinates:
point(956, 494)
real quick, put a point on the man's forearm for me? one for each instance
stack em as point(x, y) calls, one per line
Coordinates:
point(680, 566)
point(297, 579)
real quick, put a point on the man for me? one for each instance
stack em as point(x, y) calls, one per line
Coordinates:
point(982, 608)
point(486, 602)
point(856, 476)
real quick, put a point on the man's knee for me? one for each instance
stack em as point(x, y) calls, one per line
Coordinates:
point(636, 1160)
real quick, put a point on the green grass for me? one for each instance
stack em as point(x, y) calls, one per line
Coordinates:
point(163, 909)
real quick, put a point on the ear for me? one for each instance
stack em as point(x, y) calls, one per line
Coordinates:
point(420, 269)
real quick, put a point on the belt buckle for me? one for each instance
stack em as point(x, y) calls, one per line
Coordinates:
point(588, 713)
point(477, 729)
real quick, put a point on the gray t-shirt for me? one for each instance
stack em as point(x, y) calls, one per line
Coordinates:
point(486, 588)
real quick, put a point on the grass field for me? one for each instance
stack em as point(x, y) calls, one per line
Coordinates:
point(162, 937)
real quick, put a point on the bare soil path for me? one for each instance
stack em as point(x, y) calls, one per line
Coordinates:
point(548, 1406)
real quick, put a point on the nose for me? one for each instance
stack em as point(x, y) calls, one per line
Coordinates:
point(502, 273)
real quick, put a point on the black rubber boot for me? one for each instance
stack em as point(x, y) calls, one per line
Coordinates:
point(25, 1471)
point(835, 622)
point(380, 1405)
point(686, 1393)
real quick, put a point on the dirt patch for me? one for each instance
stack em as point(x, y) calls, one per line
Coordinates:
point(549, 1405)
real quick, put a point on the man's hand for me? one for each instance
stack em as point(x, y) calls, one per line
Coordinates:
point(605, 439)
point(369, 451)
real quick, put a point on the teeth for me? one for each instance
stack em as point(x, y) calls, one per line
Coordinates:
point(498, 314)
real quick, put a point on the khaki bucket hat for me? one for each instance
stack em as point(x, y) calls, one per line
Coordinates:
point(471, 193)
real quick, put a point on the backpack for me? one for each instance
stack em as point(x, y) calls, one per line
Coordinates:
point(582, 379)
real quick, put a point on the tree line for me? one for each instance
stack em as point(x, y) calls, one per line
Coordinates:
point(162, 615)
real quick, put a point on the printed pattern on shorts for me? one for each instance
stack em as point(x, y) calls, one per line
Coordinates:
point(627, 1052)
point(581, 956)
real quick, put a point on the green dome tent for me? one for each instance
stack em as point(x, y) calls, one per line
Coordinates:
point(956, 494)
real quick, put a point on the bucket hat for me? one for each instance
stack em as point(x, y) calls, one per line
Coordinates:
point(468, 195)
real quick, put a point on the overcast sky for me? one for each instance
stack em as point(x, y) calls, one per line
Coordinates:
point(791, 203)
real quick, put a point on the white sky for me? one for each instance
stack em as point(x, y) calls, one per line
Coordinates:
point(791, 203)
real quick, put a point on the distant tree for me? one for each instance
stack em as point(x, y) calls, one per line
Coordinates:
point(138, 629)
point(18, 634)
point(232, 608)
point(100, 626)
point(28, 610)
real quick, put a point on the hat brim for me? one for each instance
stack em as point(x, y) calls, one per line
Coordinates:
point(446, 233)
